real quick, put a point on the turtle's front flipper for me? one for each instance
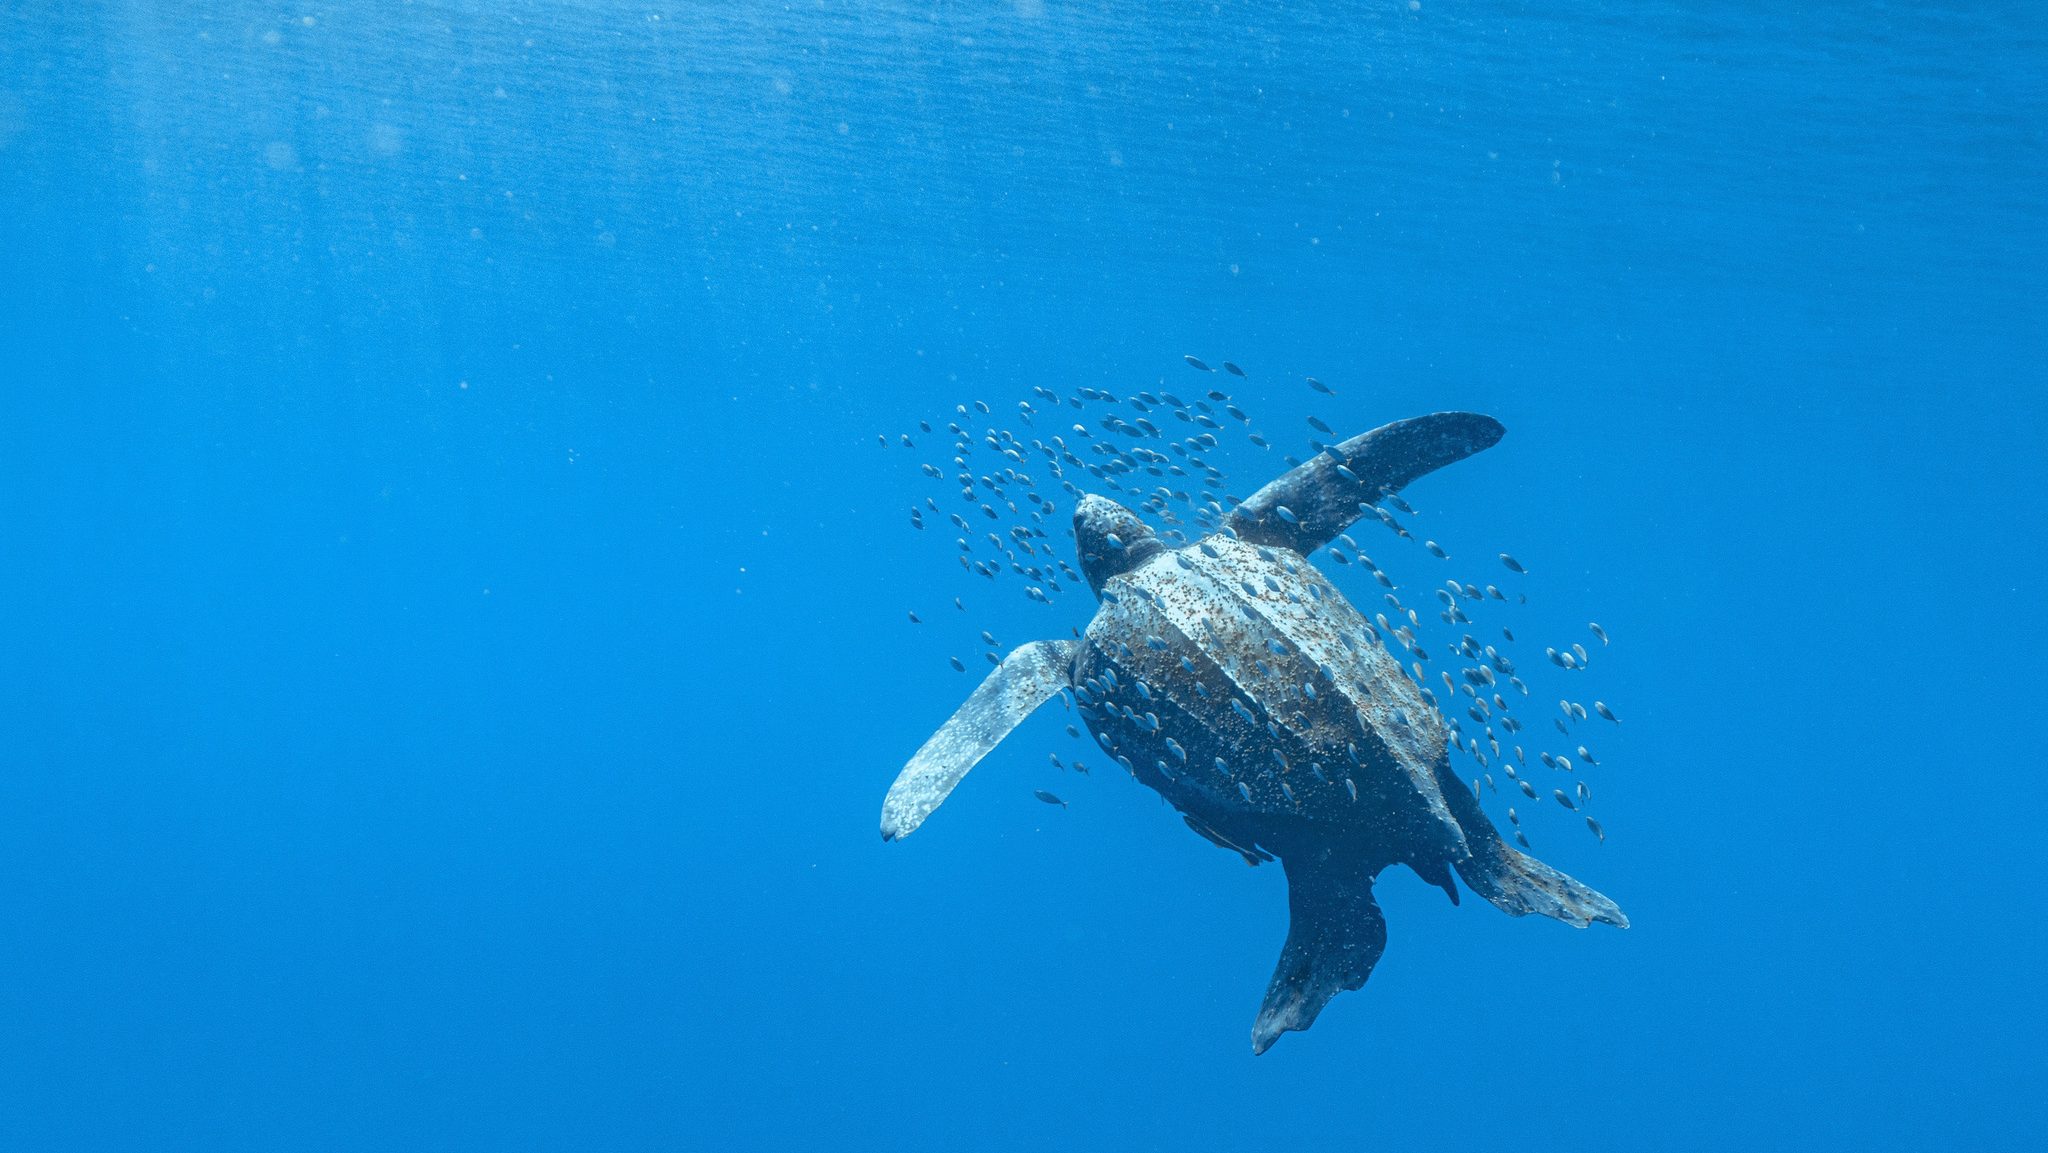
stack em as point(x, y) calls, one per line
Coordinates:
point(1335, 935)
point(1514, 881)
point(1321, 498)
point(1025, 680)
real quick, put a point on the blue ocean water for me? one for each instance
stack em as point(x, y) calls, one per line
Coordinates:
point(455, 636)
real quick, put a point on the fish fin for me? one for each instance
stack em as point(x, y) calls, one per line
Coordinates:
point(1325, 503)
point(1335, 935)
point(1026, 679)
point(1517, 883)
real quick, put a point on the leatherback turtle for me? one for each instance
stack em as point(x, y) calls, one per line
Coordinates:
point(1234, 679)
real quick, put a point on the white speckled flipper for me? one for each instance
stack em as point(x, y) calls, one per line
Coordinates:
point(1025, 680)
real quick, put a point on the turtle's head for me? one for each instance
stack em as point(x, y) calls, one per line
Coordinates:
point(1111, 539)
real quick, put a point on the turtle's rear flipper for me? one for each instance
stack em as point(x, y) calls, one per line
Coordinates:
point(1518, 883)
point(1514, 881)
point(1335, 935)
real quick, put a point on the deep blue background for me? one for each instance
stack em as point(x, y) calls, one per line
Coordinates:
point(452, 639)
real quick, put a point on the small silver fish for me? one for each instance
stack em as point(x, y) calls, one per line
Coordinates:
point(1048, 798)
point(1513, 564)
point(1597, 631)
